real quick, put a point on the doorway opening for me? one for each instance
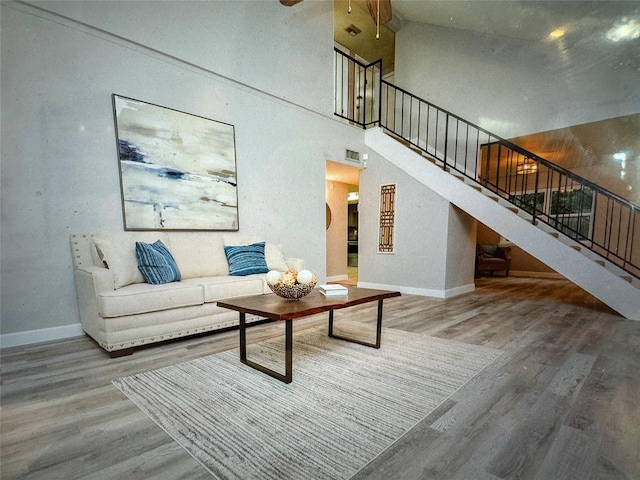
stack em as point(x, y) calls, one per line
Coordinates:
point(352, 236)
point(343, 235)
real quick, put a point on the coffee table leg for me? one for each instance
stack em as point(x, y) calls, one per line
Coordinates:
point(243, 337)
point(288, 352)
point(375, 344)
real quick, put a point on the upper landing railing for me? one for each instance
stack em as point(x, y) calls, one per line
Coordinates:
point(585, 212)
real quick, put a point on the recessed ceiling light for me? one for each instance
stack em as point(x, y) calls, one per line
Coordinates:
point(353, 30)
point(557, 33)
point(622, 156)
point(627, 30)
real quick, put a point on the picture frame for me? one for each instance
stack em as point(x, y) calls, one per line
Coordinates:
point(387, 218)
point(177, 170)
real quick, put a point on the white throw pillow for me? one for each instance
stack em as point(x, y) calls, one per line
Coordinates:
point(117, 251)
point(275, 257)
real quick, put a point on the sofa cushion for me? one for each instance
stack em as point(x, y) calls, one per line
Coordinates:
point(156, 263)
point(274, 257)
point(489, 250)
point(493, 261)
point(198, 254)
point(117, 252)
point(246, 259)
point(143, 297)
point(219, 288)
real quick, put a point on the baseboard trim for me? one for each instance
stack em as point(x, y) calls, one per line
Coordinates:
point(337, 278)
point(41, 335)
point(424, 292)
point(523, 273)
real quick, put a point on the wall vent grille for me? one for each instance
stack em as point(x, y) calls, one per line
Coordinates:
point(352, 156)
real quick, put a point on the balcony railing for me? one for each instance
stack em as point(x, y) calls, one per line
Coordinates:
point(357, 90)
point(583, 211)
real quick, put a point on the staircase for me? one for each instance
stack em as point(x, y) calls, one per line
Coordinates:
point(601, 278)
point(586, 233)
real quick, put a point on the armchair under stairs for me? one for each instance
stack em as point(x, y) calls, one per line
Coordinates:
point(492, 258)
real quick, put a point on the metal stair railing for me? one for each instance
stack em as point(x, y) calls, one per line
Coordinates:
point(356, 90)
point(596, 218)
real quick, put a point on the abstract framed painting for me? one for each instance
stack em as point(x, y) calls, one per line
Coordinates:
point(177, 170)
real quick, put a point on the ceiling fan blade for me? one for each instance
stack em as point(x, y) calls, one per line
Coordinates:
point(385, 10)
point(289, 3)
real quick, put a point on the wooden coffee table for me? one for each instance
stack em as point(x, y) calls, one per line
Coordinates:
point(276, 308)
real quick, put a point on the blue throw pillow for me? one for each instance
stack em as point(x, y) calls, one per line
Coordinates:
point(246, 259)
point(156, 263)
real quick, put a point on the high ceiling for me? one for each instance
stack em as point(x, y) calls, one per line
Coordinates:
point(594, 25)
point(363, 44)
point(585, 21)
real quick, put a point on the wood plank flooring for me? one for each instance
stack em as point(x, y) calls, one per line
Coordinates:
point(563, 402)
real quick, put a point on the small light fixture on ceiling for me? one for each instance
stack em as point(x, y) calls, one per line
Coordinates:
point(380, 14)
point(557, 33)
point(629, 29)
point(526, 167)
point(378, 22)
point(353, 30)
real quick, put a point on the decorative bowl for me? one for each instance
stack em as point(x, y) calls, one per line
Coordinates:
point(292, 292)
point(291, 284)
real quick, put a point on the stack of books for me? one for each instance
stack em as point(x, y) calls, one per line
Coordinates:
point(333, 289)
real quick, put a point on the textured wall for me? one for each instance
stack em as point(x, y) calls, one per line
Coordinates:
point(421, 220)
point(59, 163)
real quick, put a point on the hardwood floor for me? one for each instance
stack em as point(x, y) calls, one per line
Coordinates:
point(562, 402)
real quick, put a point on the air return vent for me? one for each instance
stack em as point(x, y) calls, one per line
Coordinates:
point(352, 156)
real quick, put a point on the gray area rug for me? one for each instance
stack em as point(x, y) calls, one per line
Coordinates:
point(346, 404)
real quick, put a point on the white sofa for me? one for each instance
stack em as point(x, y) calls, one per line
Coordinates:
point(120, 311)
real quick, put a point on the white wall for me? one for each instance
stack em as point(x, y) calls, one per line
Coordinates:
point(461, 249)
point(263, 44)
point(419, 264)
point(513, 87)
point(337, 193)
point(59, 162)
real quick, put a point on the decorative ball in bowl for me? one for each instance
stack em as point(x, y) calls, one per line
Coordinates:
point(291, 284)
